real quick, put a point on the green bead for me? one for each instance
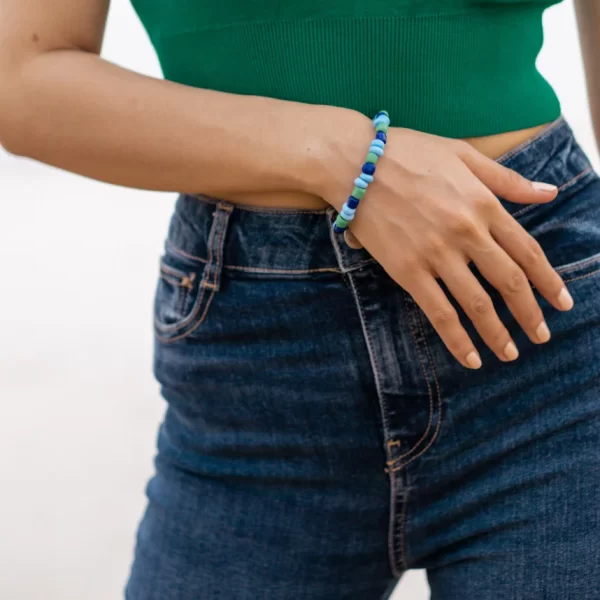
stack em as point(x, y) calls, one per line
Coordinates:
point(382, 127)
point(341, 222)
point(372, 158)
point(358, 193)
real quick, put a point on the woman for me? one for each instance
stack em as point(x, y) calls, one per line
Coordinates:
point(419, 390)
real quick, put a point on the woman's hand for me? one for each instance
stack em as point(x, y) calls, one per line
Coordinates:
point(431, 210)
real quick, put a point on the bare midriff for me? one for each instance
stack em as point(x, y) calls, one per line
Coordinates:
point(493, 146)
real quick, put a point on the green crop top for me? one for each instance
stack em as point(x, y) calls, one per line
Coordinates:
point(456, 68)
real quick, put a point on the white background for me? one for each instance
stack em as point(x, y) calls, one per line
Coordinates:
point(79, 405)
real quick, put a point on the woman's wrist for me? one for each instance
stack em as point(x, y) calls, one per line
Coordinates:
point(338, 151)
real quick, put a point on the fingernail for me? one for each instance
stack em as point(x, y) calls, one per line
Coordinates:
point(510, 351)
point(540, 186)
point(565, 301)
point(542, 332)
point(473, 360)
point(351, 240)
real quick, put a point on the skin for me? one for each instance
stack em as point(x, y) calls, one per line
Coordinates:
point(432, 208)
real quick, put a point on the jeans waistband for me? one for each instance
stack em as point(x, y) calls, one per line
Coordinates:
point(298, 242)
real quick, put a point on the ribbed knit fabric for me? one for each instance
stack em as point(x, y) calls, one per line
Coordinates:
point(456, 68)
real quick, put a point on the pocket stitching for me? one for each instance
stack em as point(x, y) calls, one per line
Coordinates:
point(186, 320)
point(582, 276)
point(169, 270)
point(563, 187)
point(190, 330)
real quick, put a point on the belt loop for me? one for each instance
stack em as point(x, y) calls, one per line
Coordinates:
point(216, 245)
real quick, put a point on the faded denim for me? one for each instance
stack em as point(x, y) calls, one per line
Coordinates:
point(320, 440)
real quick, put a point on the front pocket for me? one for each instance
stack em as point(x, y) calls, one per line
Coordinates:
point(182, 299)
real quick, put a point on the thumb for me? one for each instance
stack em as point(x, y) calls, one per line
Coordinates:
point(506, 183)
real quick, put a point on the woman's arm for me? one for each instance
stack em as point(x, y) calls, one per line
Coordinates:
point(61, 104)
point(588, 20)
point(431, 209)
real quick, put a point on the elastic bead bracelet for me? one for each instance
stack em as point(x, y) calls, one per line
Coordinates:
point(381, 122)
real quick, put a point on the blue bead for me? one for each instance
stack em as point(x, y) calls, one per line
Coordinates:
point(381, 136)
point(361, 183)
point(381, 113)
point(366, 177)
point(378, 142)
point(337, 229)
point(347, 213)
point(369, 168)
point(376, 150)
point(382, 119)
point(352, 202)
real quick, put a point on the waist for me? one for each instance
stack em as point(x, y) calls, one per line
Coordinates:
point(285, 242)
point(493, 146)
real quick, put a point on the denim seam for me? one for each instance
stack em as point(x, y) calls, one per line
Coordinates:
point(198, 303)
point(439, 404)
point(582, 276)
point(221, 250)
point(170, 340)
point(354, 267)
point(176, 250)
point(392, 528)
point(381, 401)
point(204, 284)
point(172, 271)
point(563, 187)
point(170, 280)
point(536, 138)
point(369, 343)
point(186, 320)
point(578, 264)
point(282, 271)
point(424, 369)
point(575, 179)
point(367, 337)
point(402, 525)
point(182, 296)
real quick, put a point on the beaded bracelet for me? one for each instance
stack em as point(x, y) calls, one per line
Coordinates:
point(381, 122)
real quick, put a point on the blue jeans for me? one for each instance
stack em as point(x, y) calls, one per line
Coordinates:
point(320, 440)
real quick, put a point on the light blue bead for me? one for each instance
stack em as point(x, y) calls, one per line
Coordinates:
point(379, 143)
point(365, 177)
point(361, 183)
point(376, 150)
point(381, 119)
point(347, 213)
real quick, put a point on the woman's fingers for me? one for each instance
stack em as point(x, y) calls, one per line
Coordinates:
point(428, 294)
point(510, 280)
point(504, 182)
point(478, 306)
point(527, 252)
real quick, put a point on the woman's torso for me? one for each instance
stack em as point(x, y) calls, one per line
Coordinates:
point(456, 68)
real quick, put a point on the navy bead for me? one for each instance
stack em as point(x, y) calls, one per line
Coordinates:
point(381, 136)
point(368, 168)
point(352, 202)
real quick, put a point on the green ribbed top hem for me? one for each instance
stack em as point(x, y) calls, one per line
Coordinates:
point(458, 75)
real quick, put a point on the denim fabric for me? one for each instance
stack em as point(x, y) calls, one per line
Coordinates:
point(320, 440)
